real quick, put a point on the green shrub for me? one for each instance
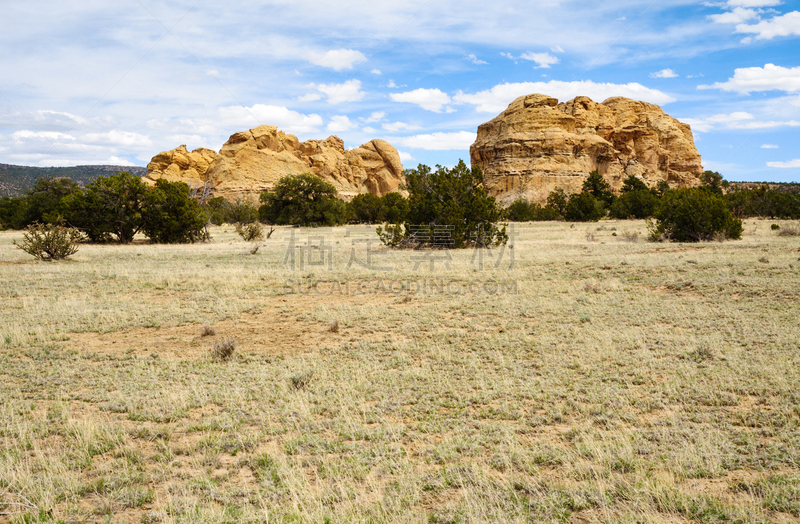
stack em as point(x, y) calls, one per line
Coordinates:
point(50, 241)
point(171, 216)
point(557, 200)
point(366, 209)
point(693, 215)
point(599, 188)
point(452, 198)
point(303, 200)
point(251, 232)
point(109, 206)
point(583, 207)
point(775, 227)
point(395, 208)
point(639, 203)
point(523, 211)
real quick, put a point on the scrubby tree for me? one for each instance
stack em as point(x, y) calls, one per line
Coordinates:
point(693, 215)
point(599, 188)
point(395, 208)
point(633, 184)
point(109, 206)
point(454, 198)
point(171, 216)
point(304, 200)
point(44, 202)
point(584, 207)
point(521, 210)
point(366, 209)
point(557, 200)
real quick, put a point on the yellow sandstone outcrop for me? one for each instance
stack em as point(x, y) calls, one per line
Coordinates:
point(538, 145)
point(253, 161)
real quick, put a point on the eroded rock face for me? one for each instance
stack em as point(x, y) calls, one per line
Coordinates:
point(538, 145)
point(254, 161)
point(181, 165)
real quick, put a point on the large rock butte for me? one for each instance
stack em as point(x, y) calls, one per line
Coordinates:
point(538, 145)
point(253, 161)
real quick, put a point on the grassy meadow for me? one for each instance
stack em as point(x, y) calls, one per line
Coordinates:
point(600, 378)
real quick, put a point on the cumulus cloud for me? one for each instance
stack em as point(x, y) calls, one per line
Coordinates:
point(497, 98)
point(769, 146)
point(440, 141)
point(339, 123)
point(311, 97)
point(791, 164)
point(768, 78)
point(51, 136)
point(543, 60)
point(349, 91)
point(736, 120)
point(375, 116)
point(118, 138)
point(753, 3)
point(664, 73)
point(428, 99)
point(376, 72)
point(337, 59)
point(239, 117)
point(405, 157)
point(737, 16)
point(475, 60)
point(784, 25)
point(399, 126)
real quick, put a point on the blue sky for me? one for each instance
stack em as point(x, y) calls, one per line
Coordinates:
point(116, 82)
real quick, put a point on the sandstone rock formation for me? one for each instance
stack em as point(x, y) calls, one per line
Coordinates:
point(181, 165)
point(538, 145)
point(253, 161)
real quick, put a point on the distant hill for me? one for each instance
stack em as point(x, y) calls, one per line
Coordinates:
point(783, 187)
point(14, 180)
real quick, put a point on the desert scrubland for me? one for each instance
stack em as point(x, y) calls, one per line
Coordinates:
point(597, 378)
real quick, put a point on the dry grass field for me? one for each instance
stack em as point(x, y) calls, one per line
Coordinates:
point(621, 381)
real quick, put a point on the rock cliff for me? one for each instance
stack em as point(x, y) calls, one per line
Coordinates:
point(253, 161)
point(537, 145)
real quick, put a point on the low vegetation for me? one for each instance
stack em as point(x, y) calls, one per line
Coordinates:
point(621, 382)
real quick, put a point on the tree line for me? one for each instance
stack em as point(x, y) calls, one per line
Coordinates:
point(116, 208)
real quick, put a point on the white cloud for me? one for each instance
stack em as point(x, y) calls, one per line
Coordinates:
point(664, 73)
point(399, 126)
point(556, 49)
point(753, 3)
point(285, 119)
point(212, 72)
point(118, 138)
point(784, 25)
point(769, 146)
point(496, 99)
point(791, 164)
point(370, 130)
point(339, 124)
point(544, 60)
point(771, 77)
point(51, 136)
point(376, 72)
point(429, 99)
point(405, 157)
point(737, 16)
point(440, 141)
point(475, 60)
point(337, 59)
point(375, 116)
point(311, 97)
point(392, 84)
point(736, 120)
point(349, 91)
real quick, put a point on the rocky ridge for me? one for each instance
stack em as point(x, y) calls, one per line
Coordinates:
point(538, 145)
point(253, 161)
